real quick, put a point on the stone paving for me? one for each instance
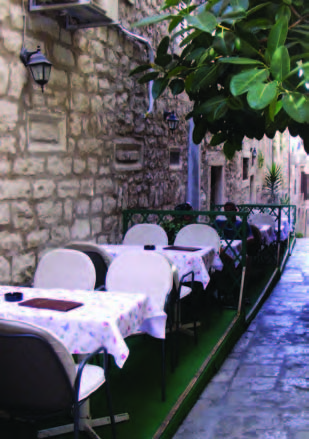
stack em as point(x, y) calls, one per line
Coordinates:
point(262, 388)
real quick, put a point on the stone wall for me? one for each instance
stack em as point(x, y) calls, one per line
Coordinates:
point(72, 158)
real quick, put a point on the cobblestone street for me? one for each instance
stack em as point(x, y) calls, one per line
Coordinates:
point(262, 389)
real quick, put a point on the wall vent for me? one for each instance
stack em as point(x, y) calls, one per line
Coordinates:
point(78, 13)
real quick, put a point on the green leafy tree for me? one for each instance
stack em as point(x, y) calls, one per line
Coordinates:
point(243, 64)
point(273, 181)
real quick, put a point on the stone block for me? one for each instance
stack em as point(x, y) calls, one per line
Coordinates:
point(12, 189)
point(22, 215)
point(86, 187)
point(80, 229)
point(4, 76)
point(7, 144)
point(49, 213)
point(79, 166)
point(8, 115)
point(60, 235)
point(4, 213)
point(68, 210)
point(68, 188)
point(92, 84)
point(59, 165)
point(58, 79)
point(46, 131)
point(104, 185)
point(29, 166)
point(96, 225)
point(11, 242)
point(109, 204)
point(96, 205)
point(85, 64)
point(37, 238)
point(17, 79)
point(80, 102)
point(63, 56)
point(96, 104)
point(23, 268)
point(12, 41)
point(82, 207)
point(92, 165)
point(87, 146)
point(43, 188)
point(77, 81)
point(5, 268)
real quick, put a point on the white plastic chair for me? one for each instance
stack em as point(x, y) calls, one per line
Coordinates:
point(147, 272)
point(65, 268)
point(145, 234)
point(46, 381)
point(197, 235)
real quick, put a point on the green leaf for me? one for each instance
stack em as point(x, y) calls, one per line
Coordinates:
point(216, 107)
point(174, 23)
point(152, 20)
point(284, 11)
point(205, 21)
point(243, 4)
point(241, 82)
point(280, 63)
point(199, 131)
point(159, 86)
point(190, 37)
point(239, 60)
point(163, 46)
point(261, 95)
point(296, 106)
point(229, 150)
point(235, 103)
point(203, 77)
point(277, 35)
point(148, 77)
point(196, 54)
point(170, 3)
point(218, 138)
point(177, 86)
point(274, 108)
point(163, 60)
point(140, 69)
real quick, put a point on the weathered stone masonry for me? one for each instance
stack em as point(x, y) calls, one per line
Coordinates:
point(73, 158)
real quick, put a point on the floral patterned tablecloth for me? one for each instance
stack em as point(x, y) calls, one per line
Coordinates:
point(199, 261)
point(105, 318)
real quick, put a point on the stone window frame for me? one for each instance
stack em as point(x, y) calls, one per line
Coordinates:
point(245, 169)
point(175, 166)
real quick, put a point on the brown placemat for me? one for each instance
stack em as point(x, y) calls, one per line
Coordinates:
point(53, 304)
point(182, 248)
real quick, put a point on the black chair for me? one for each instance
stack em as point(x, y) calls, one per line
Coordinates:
point(99, 257)
point(39, 379)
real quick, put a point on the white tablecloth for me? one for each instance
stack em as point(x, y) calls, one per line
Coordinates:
point(268, 233)
point(233, 250)
point(105, 319)
point(199, 261)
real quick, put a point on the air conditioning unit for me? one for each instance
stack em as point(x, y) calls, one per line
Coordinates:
point(78, 13)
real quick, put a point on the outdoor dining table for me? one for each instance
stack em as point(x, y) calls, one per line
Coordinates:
point(198, 260)
point(104, 319)
point(232, 248)
point(268, 234)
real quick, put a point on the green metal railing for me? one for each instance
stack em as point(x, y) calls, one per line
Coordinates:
point(172, 221)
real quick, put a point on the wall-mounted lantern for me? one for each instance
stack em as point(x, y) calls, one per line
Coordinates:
point(253, 154)
point(171, 119)
point(38, 64)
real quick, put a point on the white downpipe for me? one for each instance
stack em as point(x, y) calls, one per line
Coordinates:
point(147, 43)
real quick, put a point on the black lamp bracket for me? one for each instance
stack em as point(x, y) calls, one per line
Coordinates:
point(166, 114)
point(25, 55)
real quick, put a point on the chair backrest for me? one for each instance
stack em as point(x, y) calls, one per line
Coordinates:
point(263, 218)
point(144, 234)
point(65, 268)
point(198, 235)
point(143, 271)
point(99, 257)
point(37, 372)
